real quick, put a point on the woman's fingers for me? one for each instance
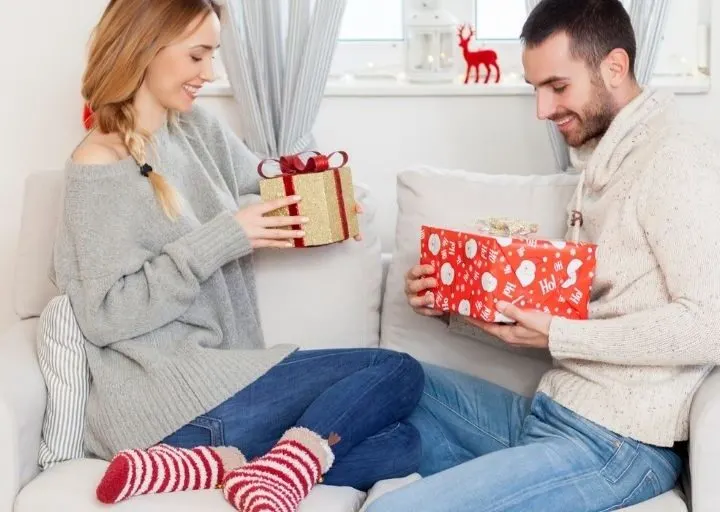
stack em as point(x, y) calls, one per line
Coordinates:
point(278, 221)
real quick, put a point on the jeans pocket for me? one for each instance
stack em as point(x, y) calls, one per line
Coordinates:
point(648, 488)
point(623, 456)
point(202, 431)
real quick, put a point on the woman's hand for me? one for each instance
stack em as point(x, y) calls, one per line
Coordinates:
point(266, 231)
point(359, 210)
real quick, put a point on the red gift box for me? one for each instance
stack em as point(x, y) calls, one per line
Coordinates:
point(476, 270)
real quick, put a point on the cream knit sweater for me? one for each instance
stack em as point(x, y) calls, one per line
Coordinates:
point(651, 201)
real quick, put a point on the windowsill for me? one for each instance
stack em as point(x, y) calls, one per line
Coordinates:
point(378, 87)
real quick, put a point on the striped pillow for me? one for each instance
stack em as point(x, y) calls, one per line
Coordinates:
point(61, 354)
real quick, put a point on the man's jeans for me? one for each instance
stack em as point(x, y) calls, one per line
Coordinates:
point(363, 395)
point(488, 449)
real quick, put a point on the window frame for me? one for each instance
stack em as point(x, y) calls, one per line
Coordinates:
point(351, 74)
point(383, 59)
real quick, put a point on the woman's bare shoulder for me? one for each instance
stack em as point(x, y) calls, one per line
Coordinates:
point(99, 149)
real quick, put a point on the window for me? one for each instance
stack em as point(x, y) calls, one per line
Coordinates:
point(362, 23)
point(499, 24)
point(371, 36)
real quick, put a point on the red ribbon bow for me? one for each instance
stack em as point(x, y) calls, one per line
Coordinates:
point(293, 164)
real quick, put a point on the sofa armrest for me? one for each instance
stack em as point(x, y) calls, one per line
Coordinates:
point(22, 407)
point(704, 445)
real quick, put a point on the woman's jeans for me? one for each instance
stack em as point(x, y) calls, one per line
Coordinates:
point(488, 449)
point(363, 395)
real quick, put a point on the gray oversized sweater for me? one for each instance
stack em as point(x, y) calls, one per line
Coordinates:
point(168, 307)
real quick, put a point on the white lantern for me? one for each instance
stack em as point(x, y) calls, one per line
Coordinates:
point(430, 39)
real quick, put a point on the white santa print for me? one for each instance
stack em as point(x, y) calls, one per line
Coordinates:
point(434, 244)
point(526, 272)
point(488, 282)
point(447, 274)
point(471, 248)
point(464, 307)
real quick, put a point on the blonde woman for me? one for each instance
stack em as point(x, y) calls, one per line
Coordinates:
point(153, 252)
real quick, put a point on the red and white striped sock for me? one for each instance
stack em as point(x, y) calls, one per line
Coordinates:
point(281, 479)
point(163, 468)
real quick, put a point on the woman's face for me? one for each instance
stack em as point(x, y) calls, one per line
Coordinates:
point(179, 70)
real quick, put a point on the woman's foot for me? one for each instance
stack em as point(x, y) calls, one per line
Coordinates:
point(281, 479)
point(163, 468)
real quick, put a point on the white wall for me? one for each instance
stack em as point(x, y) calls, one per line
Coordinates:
point(40, 108)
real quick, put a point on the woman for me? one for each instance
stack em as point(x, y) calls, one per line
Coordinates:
point(154, 254)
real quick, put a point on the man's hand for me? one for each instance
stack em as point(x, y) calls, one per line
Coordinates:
point(416, 281)
point(530, 330)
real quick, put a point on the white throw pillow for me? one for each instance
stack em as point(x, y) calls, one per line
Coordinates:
point(455, 199)
point(324, 297)
point(61, 355)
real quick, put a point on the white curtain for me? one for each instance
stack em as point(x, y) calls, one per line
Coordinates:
point(278, 54)
point(648, 18)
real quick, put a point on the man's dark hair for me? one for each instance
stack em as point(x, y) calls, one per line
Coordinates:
point(595, 28)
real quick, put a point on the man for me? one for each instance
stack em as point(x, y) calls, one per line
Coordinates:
point(599, 433)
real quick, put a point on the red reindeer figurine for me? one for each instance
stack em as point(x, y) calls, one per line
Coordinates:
point(473, 58)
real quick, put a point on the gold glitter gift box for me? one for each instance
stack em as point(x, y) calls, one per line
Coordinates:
point(326, 191)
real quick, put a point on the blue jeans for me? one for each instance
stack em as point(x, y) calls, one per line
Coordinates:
point(363, 395)
point(488, 449)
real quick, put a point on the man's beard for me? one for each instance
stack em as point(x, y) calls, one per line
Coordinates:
point(594, 120)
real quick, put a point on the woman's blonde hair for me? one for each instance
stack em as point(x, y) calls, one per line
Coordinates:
point(129, 35)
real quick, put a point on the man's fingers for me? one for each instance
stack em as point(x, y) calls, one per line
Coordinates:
point(511, 311)
point(420, 271)
point(425, 300)
point(418, 285)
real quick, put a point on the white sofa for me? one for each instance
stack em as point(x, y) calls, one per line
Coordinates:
point(343, 285)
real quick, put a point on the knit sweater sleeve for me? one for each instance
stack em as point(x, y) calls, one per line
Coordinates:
point(118, 287)
point(679, 216)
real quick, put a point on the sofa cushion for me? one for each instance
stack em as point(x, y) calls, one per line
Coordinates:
point(455, 199)
point(63, 363)
point(324, 297)
point(71, 486)
point(42, 204)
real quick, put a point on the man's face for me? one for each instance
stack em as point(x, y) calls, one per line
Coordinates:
point(568, 93)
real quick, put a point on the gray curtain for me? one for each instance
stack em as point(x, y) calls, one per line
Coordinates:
point(649, 18)
point(278, 55)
